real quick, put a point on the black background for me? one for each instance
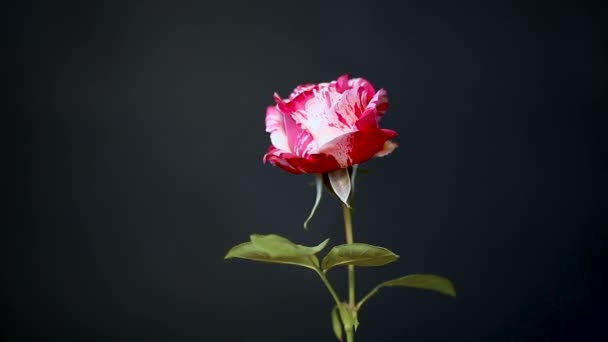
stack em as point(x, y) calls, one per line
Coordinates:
point(144, 132)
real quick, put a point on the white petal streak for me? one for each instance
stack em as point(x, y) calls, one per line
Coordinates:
point(330, 114)
point(339, 148)
point(346, 111)
point(279, 140)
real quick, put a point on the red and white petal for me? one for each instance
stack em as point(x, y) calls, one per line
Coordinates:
point(342, 84)
point(342, 117)
point(300, 89)
point(357, 147)
point(367, 143)
point(340, 148)
point(380, 102)
point(387, 149)
point(347, 150)
point(350, 107)
point(276, 157)
point(328, 114)
point(274, 119)
point(310, 109)
point(376, 107)
point(300, 140)
point(363, 83)
point(314, 163)
point(276, 127)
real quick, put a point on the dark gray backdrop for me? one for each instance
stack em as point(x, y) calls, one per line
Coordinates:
point(142, 166)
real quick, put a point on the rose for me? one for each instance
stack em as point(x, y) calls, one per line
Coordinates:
point(328, 126)
point(328, 129)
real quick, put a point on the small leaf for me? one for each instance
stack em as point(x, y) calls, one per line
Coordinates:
point(423, 281)
point(358, 254)
point(278, 246)
point(336, 323)
point(419, 281)
point(249, 251)
point(319, 184)
point(340, 183)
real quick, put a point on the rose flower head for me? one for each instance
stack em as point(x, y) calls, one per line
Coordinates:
point(324, 127)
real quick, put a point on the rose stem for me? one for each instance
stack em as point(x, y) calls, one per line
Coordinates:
point(348, 226)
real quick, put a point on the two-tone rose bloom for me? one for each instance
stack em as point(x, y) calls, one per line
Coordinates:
point(324, 127)
point(328, 129)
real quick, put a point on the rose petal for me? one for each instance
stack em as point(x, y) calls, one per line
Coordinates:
point(363, 83)
point(308, 109)
point(342, 83)
point(300, 140)
point(380, 100)
point(276, 127)
point(327, 114)
point(367, 143)
point(340, 148)
point(387, 149)
point(375, 108)
point(275, 157)
point(357, 147)
point(315, 163)
point(300, 89)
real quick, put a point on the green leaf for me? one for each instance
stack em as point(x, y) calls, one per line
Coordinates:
point(423, 281)
point(336, 323)
point(278, 246)
point(358, 254)
point(273, 248)
point(420, 281)
point(249, 251)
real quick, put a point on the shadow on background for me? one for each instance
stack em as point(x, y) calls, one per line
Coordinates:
point(145, 132)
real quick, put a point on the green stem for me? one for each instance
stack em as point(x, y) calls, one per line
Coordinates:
point(350, 336)
point(329, 287)
point(348, 226)
point(368, 296)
